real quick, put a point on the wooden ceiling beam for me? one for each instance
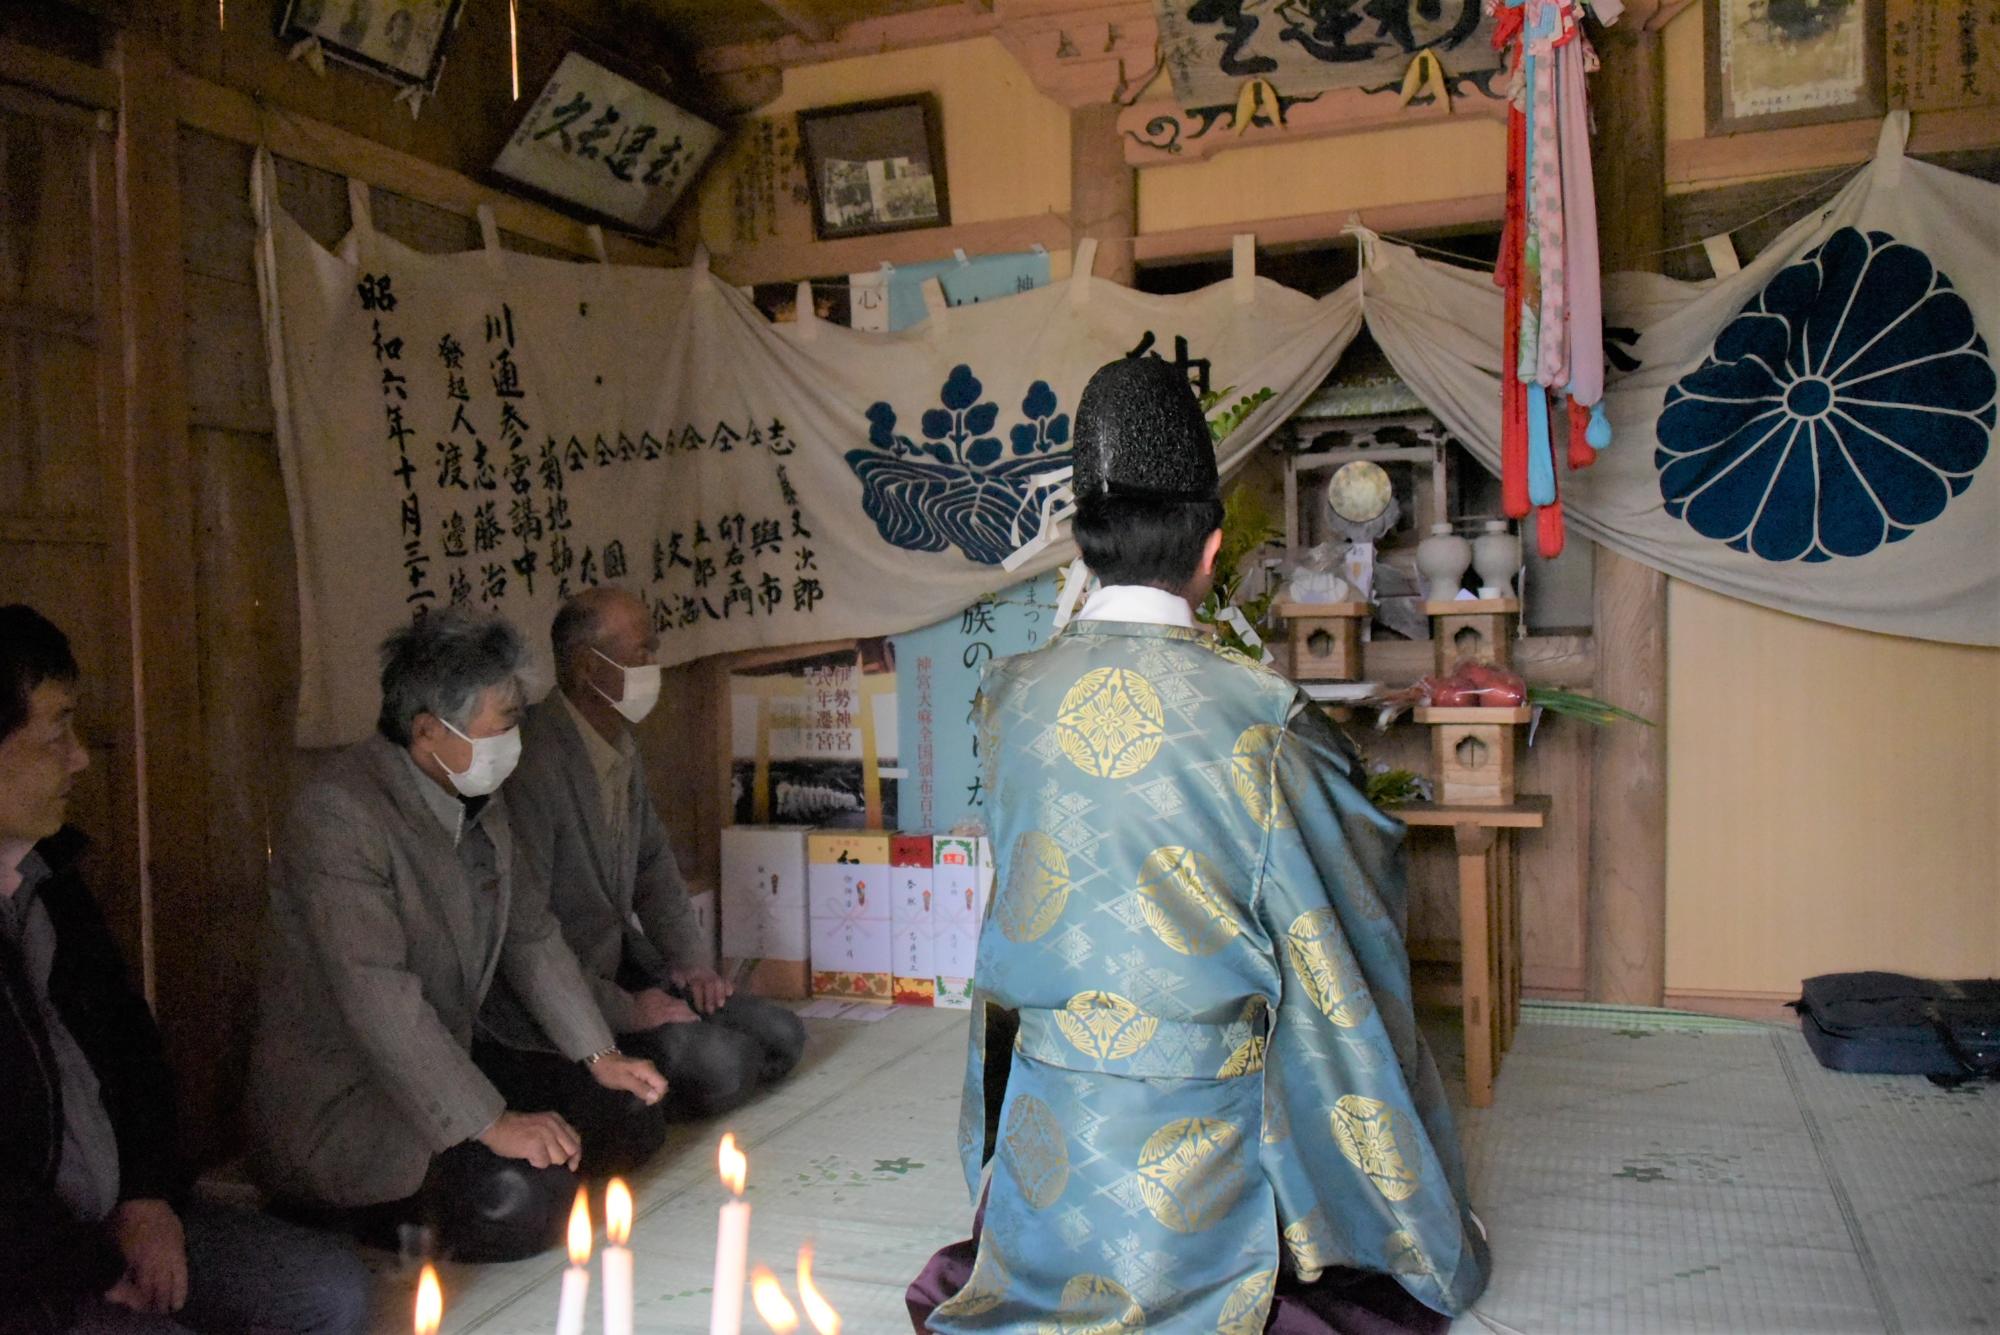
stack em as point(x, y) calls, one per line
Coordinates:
point(800, 19)
point(897, 32)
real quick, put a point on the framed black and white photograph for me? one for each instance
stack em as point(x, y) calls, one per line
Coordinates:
point(1774, 63)
point(874, 167)
point(598, 141)
point(401, 40)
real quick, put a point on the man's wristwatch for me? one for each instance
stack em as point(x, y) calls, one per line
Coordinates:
point(601, 1054)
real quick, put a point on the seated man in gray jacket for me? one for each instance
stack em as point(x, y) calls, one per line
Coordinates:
point(395, 904)
point(584, 820)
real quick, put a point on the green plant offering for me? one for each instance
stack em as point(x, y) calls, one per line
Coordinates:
point(1391, 787)
point(1587, 708)
point(1226, 421)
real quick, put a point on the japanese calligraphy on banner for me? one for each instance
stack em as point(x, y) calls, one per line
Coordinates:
point(501, 430)
point(1302, 46)
point(602, 141)
point(938, 670)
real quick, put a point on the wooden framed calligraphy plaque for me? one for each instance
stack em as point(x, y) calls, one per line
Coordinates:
point(598, 141)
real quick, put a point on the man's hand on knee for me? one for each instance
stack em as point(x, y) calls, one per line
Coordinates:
point(653, 1008)
point(636, 1077)
point(543, 1139)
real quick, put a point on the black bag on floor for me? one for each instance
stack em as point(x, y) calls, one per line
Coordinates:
point(1892, 1024)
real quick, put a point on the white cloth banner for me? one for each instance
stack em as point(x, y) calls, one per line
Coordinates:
point(1806, 433)
point(500, 430)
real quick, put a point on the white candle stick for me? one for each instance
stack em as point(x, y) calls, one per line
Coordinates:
point(732, 1244)
point(617, 1259)
point(576, 1279)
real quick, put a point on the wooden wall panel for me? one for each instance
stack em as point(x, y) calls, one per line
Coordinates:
point(61, 496)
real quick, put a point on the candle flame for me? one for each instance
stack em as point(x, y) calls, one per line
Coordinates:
point(818, 1310)
point(579, 1228)
point(772, 1304)
point(430, 1302)
point(617, 1213)
point(734, 1165)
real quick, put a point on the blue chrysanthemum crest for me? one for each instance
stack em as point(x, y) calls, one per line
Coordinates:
point(1842, 409)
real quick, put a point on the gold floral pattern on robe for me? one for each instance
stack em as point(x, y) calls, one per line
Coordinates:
point(1037, 888)
point(1367, 1132)
point(1190, 1173)
point(1036, 1150)
point(1250, 775)
point(1326, 968)
point(1095, 1305)
point(1310, 1241)
point(1248, 1059)
point(1105, 1026)
point(1183, 898)
point(1405, 1256)
point(1110, 724)
point(1249, 1305)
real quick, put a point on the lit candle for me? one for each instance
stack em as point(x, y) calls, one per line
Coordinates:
point(576, 1279)
point(732, 1246)
point(617, 1259)
point(772, 1304)
point(430, 1302)
point(818, 1310)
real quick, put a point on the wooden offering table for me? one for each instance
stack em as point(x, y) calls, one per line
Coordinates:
point(1489, 915)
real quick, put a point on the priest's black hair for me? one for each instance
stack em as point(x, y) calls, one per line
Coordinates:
point(32, 651)
point(1140, 540)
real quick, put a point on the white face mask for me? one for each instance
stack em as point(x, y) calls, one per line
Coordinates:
point(642, 689)
point(493, 759)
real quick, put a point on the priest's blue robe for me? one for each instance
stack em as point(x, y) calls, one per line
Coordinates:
point(1193, 1057)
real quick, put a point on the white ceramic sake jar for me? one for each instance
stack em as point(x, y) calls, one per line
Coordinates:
point(1442, 559)
point(1496, 555)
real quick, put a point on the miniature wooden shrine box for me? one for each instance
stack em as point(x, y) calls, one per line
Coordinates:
point(1479, 631)
point(1472, 754)
point(1325, 639)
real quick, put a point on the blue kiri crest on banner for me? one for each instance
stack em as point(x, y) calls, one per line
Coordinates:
point(1843, 408)
point(960, 486)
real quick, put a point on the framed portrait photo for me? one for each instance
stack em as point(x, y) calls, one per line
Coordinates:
point(602, 143)
point(401, 40)
point(874, 167)
point(1773, 63)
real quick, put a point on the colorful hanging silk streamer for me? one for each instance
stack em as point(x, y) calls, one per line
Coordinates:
point(1549, 265)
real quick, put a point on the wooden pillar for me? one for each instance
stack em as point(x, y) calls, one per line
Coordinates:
point(1628, 840)
point(159, 561)
point(1103, 190)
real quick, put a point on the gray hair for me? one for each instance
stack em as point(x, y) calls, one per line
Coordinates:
point(579, 623)
point(442, 664)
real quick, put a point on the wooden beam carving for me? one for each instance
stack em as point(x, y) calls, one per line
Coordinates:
point(1159, 133)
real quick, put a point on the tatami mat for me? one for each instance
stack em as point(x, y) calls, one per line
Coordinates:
point(1640, 1171)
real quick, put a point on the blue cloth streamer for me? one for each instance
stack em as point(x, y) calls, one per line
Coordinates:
point(1541, 458)
point(1599, 431)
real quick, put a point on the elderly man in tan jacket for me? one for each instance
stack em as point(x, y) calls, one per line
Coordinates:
point(394, 907)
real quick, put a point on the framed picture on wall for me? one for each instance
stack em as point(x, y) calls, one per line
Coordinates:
point(401, 40)
point(596, 140)
point(1774, 63)
point(874, 167)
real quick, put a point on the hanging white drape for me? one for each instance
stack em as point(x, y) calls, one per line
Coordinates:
point(1810, 434)
point(500, 429)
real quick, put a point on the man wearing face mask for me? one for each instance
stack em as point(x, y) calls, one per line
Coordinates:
point(396, 903)
point(584, 819)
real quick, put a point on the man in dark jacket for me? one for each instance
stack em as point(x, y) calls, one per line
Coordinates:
point(99, 1232)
